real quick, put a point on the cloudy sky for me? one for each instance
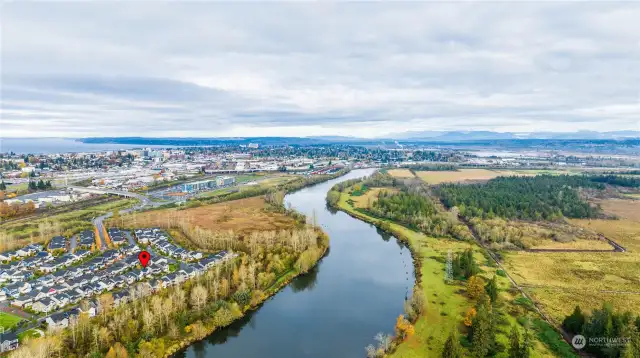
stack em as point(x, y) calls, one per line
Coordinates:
point(150, 68)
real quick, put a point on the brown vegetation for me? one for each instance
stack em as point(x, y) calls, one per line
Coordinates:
point(437, 177)
point(626, 209)
point(560, 281)
point(515, 234)
point(242, 216)
point(401, 173)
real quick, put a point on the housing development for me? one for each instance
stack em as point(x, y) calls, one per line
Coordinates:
point(49, 282)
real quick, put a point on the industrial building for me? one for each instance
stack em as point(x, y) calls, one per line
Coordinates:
point(208, 184)
point(224, 181)
point(198, 185)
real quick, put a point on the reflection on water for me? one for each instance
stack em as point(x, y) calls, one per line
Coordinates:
point(306, 281)
point(384, 235)
point(356, 291)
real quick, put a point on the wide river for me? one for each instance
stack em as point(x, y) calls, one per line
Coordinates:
point(356, 291)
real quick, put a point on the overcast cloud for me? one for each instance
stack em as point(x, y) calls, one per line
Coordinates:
point(362, 69)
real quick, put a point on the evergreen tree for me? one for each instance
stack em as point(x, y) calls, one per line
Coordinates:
point(48, 184)
point(514, 341)
point(41, 185)
point(526, 344)
point(574, 323)
point(492, 289)
point(456, 271)
point(481, 333)
point(3, 186)
point(452, 348)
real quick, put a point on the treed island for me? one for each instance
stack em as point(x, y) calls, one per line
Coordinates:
point(509, 263)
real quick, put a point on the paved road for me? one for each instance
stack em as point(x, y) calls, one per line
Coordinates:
point(144, 202)
point(97, 222)
point(132, 242)
point(73, 242)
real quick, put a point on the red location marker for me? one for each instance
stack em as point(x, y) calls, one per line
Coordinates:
point(144, 257)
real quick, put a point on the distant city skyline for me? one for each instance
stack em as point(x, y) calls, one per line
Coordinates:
point(168, 69)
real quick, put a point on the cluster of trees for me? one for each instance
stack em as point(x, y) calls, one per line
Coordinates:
point(621, 329)
point(625, 181)
point(535, 198)
point(414, 208)
point(8, 165)
point(431, 167)
point(464, 265)
point(482, 322)
point(39, 185)
point(377, 179)
point(16, 209)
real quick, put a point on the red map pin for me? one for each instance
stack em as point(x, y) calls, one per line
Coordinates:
point(144, 257)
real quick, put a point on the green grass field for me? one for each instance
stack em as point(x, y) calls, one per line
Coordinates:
point(8, 321)
point(446, 304)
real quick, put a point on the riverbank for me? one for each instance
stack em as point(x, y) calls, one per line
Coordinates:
point(446, 303)
point(280, 283)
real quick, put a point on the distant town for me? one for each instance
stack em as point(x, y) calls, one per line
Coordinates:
point(60, 259)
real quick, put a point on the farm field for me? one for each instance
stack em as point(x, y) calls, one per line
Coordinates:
point(626, 209)
point(438, 177)
point(241, 216)
point(446, 304)
point(560, 281)
point(401, 173)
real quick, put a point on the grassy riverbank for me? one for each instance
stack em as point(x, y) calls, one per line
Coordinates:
point(447, 303)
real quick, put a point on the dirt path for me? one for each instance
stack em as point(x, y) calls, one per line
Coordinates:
point(567, 337)
point(616, 247)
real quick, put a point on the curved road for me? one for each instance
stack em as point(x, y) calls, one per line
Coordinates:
point(97, 222)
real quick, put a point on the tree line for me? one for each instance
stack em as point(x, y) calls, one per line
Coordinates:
point(625, 181)
point(620, 329)
point(39, 185)
point(543, 197)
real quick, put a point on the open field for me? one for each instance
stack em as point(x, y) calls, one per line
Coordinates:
point(572, 245)
point(626, 209)
point(241, 216)
point(21, 232)
point(438, 177)
point(363, 201)
point(7, 320)
point(446, 304)
point(401, 173)
point(560, 281)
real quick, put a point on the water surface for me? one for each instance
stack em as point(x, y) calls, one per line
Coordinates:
point(356, 291)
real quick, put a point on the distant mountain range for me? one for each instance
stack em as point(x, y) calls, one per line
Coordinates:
point(487, 135)
point(411, 136)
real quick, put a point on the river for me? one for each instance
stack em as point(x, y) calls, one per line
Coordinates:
point(356, 291)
